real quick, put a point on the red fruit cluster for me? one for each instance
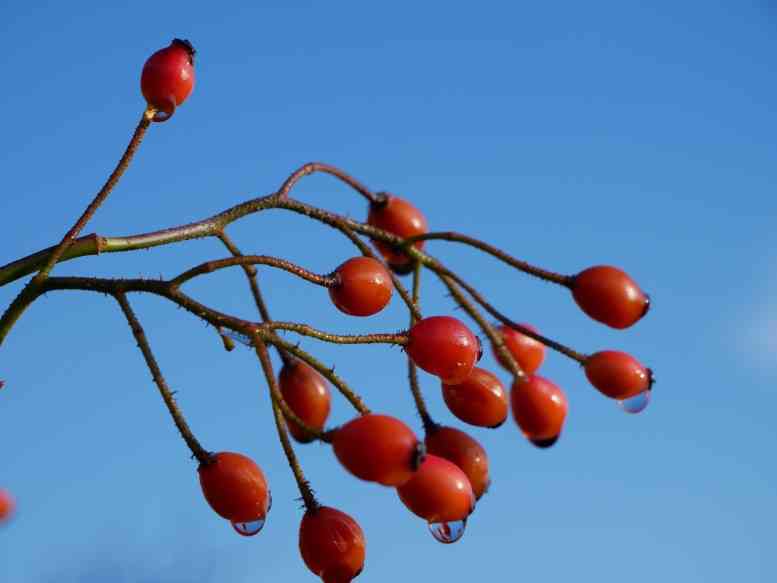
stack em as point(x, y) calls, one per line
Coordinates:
point(445, 347)
point(332, 544)
point(236, 489)
point(363, 287)
point(400, 218)
point(307, 394)
point(168, 78)
point(378, 448)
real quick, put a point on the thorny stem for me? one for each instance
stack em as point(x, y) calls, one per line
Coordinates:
point(478, 297)
point(488, 330)
point(280, 423)
point(250, 272)
point(307, 330)
point(412, 370)
point(264, 359)
point(140, 336)
point(312, 167)
point(327, 372)
point(30, 291)
point(304, 487)
point(565, 280)
point(250, 260)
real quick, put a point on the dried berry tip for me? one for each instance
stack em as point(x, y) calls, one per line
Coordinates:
point(544, 443)
point(184, 43)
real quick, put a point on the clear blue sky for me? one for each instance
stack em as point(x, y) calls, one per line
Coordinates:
point(640, 134)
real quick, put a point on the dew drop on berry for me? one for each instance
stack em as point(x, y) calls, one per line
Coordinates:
point(249, 528)
point(448, 532)
point(637, 403)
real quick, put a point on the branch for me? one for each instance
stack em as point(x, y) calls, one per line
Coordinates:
point(137, 330)
point(30, 291)
point(304, 487)
point(250, 260)
point(312, 167)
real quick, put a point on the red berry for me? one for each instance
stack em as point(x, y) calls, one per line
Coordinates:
point(168, 77)
point(399, 217)
point(443, 346)
point(610, 296)
point(332, 544)
point(307, 394)
point(7, 505)
point(527, 352)
point(235, 487)
point(478, 400)
point(378, 448)
point(539, 409)
point(363, 287)
point(438, 492)
point(464, 451)
point(617, 375)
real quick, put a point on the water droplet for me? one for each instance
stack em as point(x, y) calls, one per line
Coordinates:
point(448, 532)
point(544, 443)
point(637, 403)
point(249, 528)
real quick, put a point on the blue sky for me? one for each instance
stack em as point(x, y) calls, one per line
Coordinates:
point(640, 134)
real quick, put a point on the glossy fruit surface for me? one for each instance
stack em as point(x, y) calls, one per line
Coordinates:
point(332, 544)
point(527, 352)
point(235, 487)
point(610, 296)
point(378, 448)
point(443, 346)
point(168, 77)
point(616, 374)
point(480, 399)
point(438, 492)
point(399, 217)
point(307, 394)
point(539, 408)
point(364, 287)
point(463, 450)
point(7, 505)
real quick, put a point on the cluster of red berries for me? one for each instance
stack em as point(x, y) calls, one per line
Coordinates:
point(441, 478)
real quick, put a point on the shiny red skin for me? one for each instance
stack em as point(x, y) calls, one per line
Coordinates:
point(364, 287)
point(443, 346)
point(332, 544)
point(7, 505)
point(306, 393)
point(168, 77)
point(527, 352)
point(235, 487)
point(438, 492)
point(377, 448)
point(480, 399)
point(539, 407)
point(463, 450)
point(608, 295)
point(616, 374)
point(399, 217)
